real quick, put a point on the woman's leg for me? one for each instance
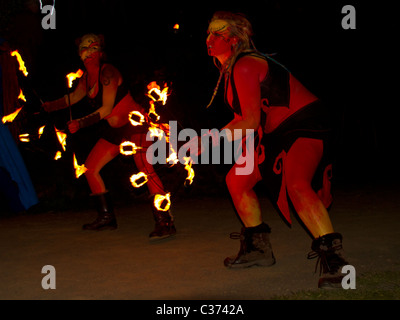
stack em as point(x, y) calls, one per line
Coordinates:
point(243, 196)
point(301, 163)
point(102, 153)
point(154, 183)
point(255, 246)
point(164, 222)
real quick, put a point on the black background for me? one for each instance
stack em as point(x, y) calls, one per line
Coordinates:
point(352, 71)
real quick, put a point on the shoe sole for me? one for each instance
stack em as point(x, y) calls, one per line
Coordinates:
point(161, 238)
point(265, 263)
point(101, 229)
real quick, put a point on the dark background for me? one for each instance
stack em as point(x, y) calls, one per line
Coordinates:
point(350, 70)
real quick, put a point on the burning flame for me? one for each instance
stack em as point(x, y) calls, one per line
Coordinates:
point(21, 62)
point(156, 132)
point(162, 202)
point(72, 76)
point(40, 131)
point(173, 157)
point(189, 169)
point(128, 152)
point(162, 95)
point(136, 177)
point(79, 169)
point(141, 118)
point(62, 138)
point(21, 95)
point(11, 116)
point(24, 137)
point(152, 110)
point(58, 155)
point(176, 26)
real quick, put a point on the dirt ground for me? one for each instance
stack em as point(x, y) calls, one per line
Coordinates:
point(123, 265)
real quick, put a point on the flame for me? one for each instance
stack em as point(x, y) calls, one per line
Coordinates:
point(136, 177)
point(21, 62)
point(40, 131)
point(58, 155)
point(159, 129)
point(72, 76)
point(62, 138)
point(156, 132)
point(141, 118)
point(189, 169)
point(24, 137)
point(79, 169)
point(21, 95)
point(176, 26)
point(162, 95)
point(173, 157)
point(152, 110)
point(11, 116)
point(159, 201)
point(128, 152)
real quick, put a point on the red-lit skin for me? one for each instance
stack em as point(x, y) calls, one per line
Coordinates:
point(301, 160)
point(104, 151)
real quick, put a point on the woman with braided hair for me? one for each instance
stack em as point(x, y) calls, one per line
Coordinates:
point(290, 142)
point(103, 86)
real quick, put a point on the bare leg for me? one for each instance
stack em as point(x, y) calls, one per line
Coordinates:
point(102, 153)
point(243, 196)
point(301, 162)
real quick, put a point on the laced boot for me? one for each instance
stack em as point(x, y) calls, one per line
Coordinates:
point(106, 218)
point(255, 248)
point(164, 225)
point(328, 249)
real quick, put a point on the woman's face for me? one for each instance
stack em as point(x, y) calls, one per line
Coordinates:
point(219, 41)
point(89, 49)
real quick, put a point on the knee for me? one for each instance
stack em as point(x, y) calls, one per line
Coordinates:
point(231, 183)
point(297, 187)
point(90, 172)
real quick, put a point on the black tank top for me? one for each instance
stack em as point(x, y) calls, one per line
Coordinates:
point(97, 101)
point(275, 89)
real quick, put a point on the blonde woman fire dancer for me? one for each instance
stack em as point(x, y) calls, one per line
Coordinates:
point(291, 143)
point(111, 100)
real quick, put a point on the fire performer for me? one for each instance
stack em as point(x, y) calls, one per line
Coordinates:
point(111, 100)
point(291, 138)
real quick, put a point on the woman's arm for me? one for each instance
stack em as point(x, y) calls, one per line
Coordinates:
point(110, 79)
point(78, 94)
point(248, 73)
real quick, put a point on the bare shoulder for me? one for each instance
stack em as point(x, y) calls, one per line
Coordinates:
point(249, 65)
point(109, 73)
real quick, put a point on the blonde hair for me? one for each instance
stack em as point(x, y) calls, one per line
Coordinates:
point(239, 27)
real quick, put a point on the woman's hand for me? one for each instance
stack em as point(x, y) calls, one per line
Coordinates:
point(73, 126)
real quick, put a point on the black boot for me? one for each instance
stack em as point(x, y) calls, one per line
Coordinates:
point(106, 218)
point(329, 251)
point(164, 225)
point(255, 248)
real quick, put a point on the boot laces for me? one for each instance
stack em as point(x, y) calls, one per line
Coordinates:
point(328, 260)
point(246, 243)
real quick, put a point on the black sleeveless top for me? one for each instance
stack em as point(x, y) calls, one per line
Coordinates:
point(97, 101)
point(275, 89)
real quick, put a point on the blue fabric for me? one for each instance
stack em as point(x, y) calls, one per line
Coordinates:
point(12, 161)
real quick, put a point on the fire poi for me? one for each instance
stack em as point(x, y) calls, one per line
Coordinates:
point(103, 86)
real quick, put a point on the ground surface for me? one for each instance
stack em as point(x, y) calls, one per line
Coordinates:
point(122, 264)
